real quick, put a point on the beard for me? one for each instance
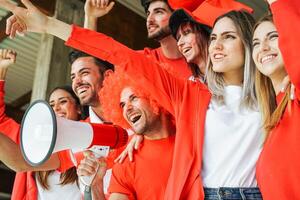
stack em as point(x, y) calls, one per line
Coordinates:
point(160, 34)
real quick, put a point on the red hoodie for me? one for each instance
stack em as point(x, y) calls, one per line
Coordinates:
point(278, 168)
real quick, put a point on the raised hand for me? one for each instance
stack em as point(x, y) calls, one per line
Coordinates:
point(7, 58)
point(97, 8)
point(134, 144)
point(24, 19)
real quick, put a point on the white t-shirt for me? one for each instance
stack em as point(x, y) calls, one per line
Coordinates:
point(57, 191)
point(232, 143)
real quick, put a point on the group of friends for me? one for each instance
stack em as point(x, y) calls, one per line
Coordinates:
point(214, 111)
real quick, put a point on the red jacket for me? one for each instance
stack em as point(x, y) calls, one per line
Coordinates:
point(278, 168)
point(186, 100)
point(24, 185)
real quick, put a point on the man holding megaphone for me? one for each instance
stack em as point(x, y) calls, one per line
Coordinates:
point(146, 177)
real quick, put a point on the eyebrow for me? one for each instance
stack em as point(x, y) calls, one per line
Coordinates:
point(60, 98)
point(225, 33)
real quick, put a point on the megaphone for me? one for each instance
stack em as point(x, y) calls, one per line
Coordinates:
point(43, 133)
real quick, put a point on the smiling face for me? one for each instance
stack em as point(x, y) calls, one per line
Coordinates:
point(187, 42)
point(86, 80)
point(64, 105)
point(266, 53)
point(158, 16)
point(138, 112)
point(226, 49)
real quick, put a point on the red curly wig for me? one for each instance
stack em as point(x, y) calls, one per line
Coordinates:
point(110, 97)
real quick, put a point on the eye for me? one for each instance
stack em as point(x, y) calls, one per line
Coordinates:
point(52, 105)
point(122, 104)
point(72, 77)
point(228, 36)
point(273, 36)
point(255, 44)
point(63, 101)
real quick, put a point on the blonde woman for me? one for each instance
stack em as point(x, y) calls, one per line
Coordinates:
point(275, 44)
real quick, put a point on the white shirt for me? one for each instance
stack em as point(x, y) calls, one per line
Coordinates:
point(57, 191)
point(232, 143)
point(95, 119)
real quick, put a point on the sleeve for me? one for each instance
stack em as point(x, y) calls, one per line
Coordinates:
point(165, 88)
point(286, 15)
point(122, 180)
point(8, 126)
point(68, 160)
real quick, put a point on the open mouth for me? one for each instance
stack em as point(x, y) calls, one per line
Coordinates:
point(135, 118)
point(218, 56)
point(267, 58)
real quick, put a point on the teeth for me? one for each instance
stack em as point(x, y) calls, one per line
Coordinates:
point(218, 56)
point(267, 58)
point(135, 117)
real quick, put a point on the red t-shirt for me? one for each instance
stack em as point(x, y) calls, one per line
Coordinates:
point(146, 177)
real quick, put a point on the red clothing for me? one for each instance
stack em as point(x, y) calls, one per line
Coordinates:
point(186, 100)
point(146, 177)
point(24, 185)
point(278, 168)
point(177, 67)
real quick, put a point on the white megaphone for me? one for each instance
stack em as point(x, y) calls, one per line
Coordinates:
point(43, 133)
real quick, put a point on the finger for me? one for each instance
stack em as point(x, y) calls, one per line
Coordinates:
point(28, 4)
point(122, 157)
point(130, 156)
point(285, 83)
point(110, 6)
point(292, 96)
point(139, 140)
point(9, 22)
point(14, 28)
point(94, 3)
point(84, 170)
point(8, 5)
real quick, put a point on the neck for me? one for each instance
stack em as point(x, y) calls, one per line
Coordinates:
point(234, 77)
point(98, 111)
point(169, 47)
point(163, 129)
point(277, 80)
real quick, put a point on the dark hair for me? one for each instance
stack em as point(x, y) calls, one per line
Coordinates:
point(103, 65)
point(146, 4)
point(68, 88)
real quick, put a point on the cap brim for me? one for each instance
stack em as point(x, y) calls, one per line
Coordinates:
point(181, 16)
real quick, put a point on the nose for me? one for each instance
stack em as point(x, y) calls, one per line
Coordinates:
point(56, 107)
point(149, 19)
point(76, 81)
point(180, 42)
point(217, 44)
point(264, 46)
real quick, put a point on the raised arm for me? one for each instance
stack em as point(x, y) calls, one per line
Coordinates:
point(8, 126)
point(286, 15)
point(164, 87)
point(93, 10)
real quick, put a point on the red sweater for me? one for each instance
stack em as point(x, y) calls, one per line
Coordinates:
point(187, 101)
point(24, 185)
point(278, 168)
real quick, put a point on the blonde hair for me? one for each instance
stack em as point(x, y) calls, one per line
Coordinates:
point(271, 113)
point(243, 22)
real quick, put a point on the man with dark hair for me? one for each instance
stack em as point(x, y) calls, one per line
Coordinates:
point(158, 14)
point(87, 75)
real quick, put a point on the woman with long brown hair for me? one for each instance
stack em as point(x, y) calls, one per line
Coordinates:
point(275, 44)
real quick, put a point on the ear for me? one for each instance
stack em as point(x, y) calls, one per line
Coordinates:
point(108, 73)
point(79, 110)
